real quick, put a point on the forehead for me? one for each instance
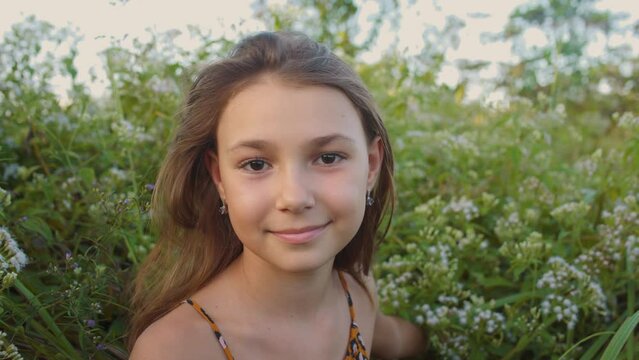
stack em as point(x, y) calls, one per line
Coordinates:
point(273, 110)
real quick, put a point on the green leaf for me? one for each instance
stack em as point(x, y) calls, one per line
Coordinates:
point(87, 175)
point(491, 281)
point(620, 338)
point(39, 226)
point(602, 333)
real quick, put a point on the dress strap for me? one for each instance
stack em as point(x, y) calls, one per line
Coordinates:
point(213, 325)
point(351, 309)
point(356, 348)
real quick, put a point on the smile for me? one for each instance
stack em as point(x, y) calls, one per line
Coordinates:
point(301, 235)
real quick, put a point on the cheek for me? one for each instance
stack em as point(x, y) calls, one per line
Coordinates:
point(248, 204)
point(347, 196)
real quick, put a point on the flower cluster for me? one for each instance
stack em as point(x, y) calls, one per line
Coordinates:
point(128, 132)
point(471, 241)
point(160, 85)
point(619, 231)
point(5, 199)
point(533, 190)
point(628, 121)
point(560, 275)
point(571, 214)
point(488, 321)
point(487, 202)
point(393, 289)
point(462, 206)
point(12, 258)
point(597, 260)
point(561, 308)
point(432, 211)
point(510, 227)
point(525, 254)
point(632, 248)
point(60, 120)
point(8, 350)
point(567, 280)
point(624, 213)
point(589, 165)
point(455, 348)
point(460, 143)
point(430, 266)
point(471, 316)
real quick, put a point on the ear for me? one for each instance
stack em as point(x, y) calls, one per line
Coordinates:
point(213, 166)
point(375, 158)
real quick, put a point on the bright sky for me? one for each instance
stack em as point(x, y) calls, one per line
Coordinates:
point(100, 21)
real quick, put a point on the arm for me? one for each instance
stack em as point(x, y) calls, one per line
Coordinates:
point(395, 337)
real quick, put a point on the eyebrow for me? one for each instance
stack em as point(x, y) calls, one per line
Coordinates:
point(317, 142)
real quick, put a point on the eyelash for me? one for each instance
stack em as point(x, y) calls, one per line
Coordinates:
point(245, 164)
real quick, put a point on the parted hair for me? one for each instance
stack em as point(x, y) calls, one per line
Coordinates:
point(194, 241)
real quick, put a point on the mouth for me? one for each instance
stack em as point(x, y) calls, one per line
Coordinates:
point(300, 235)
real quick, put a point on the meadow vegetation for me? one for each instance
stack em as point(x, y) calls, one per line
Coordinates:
point(516, 231)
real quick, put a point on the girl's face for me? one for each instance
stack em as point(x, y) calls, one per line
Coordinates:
point(293, 166)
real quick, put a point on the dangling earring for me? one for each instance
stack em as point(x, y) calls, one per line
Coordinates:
point(223, 207)
point(369, 198)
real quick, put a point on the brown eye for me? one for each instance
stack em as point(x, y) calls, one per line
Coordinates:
point(330, 158)
point(255, 165)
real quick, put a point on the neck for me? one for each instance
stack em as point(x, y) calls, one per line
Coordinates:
point(282, 294)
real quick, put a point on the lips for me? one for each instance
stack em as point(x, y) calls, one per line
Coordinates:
point(300, 235)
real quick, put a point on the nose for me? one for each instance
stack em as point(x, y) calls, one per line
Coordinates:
point(295, 191)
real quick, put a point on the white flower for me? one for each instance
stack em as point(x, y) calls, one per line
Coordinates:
point(566, 278)
point(10, 252)
point(5, 198)
point(463, 206)
point(571, 212)
point(562, 309)
point(629, 121)
point(118, 173)
point(8, 279)
point(8, 350)
point(128, 132)
point(163, 85)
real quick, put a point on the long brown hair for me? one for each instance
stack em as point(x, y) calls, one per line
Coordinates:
point(196, 242)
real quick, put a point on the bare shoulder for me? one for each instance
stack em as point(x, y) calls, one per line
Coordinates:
point(180, 334)
point(364, 295)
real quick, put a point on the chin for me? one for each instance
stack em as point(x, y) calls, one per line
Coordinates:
point(302, 265)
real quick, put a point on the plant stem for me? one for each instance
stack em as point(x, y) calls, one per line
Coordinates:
point(630, 347)
point(38, 155)
point(114, 86)
point(571, 336)
point(130, 248)
point(48, 320)
point(526, 339)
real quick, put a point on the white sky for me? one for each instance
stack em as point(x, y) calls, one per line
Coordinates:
point(99, 21)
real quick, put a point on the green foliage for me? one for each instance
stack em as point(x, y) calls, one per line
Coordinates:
point(562, 67)
point(516, 233)
point(332, 22)
point(80, 176)
point(514, 230)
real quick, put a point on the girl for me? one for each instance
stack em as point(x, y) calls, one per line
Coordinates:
point(268, 204)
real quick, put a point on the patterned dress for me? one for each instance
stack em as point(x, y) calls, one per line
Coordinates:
point(354, 351)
